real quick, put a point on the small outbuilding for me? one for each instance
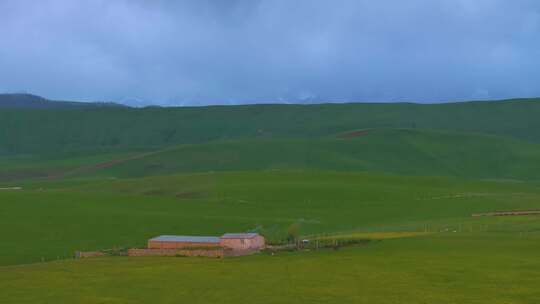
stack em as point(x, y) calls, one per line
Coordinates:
point(242, 241)
point(177, 242)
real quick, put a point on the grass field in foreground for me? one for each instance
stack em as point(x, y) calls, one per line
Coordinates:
point(493, 267)
point(50, 220)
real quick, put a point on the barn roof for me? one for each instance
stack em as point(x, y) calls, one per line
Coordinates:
point(186, 238)
point(239, 235)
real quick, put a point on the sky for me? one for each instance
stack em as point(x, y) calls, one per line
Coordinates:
point(268, 51)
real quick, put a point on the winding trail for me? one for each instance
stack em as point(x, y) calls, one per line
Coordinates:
point(353, 134)
point(104, 165)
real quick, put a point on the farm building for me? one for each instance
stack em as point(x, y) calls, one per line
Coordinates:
point(232, 241)
point(175, 242)
point(242, 241)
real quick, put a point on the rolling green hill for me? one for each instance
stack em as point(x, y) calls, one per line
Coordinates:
point(49, 131)
point(409, 152)
point(403, 151)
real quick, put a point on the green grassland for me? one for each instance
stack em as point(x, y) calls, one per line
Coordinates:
point(400, 151)
point(460, 259)
point(31, 131)
point(446, 268)
point(410, 152)
point(53, 219)
point(404, 188)
point(49, 166)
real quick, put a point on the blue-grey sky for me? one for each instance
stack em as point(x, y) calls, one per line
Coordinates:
point(249, 51)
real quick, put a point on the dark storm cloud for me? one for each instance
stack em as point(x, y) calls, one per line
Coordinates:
point(240, 51)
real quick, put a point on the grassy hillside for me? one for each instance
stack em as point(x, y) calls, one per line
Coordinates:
point(39, 166)
point(53, 219)
point(407, 152)
point(26, 131)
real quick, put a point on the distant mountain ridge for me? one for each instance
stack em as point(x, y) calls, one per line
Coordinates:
point(29, 101)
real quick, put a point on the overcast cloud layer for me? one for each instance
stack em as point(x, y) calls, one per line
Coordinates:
point(248, 51)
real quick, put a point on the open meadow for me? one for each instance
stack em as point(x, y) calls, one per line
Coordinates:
point(399, 201)
point(488, 267)
point(425, 246)
point(270, 152)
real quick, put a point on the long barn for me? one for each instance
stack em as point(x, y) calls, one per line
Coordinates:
point(232, 241)
point(181, 241)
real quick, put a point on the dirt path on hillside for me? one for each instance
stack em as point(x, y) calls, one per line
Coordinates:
point(508, 213)
point(104, 165)
point(353, 134)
